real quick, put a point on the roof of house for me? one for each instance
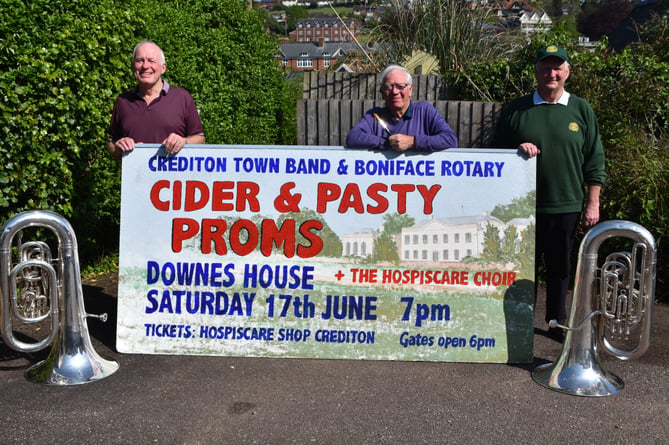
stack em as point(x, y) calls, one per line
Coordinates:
point(322, 21)
point(313, 51)
point(458, 220)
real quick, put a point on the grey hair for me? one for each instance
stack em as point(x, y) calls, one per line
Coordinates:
point(390, 68)
point(143, 42)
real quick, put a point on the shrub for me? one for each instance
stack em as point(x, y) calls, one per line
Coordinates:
point(628, 92)
point(62, 64)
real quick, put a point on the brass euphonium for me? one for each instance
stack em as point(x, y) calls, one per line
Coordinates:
point(619, 320)
point(34, 287)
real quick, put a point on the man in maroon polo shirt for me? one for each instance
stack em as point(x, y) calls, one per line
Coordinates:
point(154, 112)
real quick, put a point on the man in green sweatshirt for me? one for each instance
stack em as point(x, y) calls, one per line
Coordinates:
point(561, 130)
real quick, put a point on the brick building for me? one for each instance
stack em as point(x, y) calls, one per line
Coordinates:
point(327, 28)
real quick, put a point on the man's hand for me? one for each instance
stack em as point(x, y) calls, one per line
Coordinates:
point(591, 212)
point(116, 149)
point(529, 149)
point(173, 143)
point(125, 144)
point(401, 142)
point(591, 215)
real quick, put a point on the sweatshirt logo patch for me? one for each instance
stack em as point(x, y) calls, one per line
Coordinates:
point(573, 126)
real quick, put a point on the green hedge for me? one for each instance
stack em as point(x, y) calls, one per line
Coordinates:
point(628, 92)
point(62, 64)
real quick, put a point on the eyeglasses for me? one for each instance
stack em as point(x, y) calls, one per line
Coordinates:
point(388, 87)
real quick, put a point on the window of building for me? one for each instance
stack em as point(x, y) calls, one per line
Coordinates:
point(435, 239)
point(445, 238)
point(468, 237)
point(456, 238)
point(305, 63)
point(424, 239)
point(407, 239)
point(456, 254)
point(445, 254)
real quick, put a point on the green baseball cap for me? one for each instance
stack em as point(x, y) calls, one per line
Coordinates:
point(552, 51)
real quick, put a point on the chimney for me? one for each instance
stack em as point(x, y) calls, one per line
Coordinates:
point(321, 42)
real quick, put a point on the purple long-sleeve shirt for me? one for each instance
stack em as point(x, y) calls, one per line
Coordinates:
point(421, 120)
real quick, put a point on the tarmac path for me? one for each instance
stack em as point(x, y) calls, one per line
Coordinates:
point(156, 399)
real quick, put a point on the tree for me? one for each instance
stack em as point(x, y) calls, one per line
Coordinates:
point(293, 14)
point(510, 245)
point(521, 207)
point(509, 75)
point(602, 20)
point(525, 256)
point(220, 52)
point(492, 244)
point(385, 249)
point(394, 223)
point(332, 245)
point(512, 248)
point(451, 30)
point(62, 63)
point(628, 92)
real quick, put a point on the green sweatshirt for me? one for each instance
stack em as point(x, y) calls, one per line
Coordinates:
point(571, 149)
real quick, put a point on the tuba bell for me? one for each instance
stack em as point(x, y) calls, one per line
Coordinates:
point(34, 287)
point(618, 320)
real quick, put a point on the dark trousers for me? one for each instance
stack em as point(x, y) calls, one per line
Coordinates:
point(555, 240)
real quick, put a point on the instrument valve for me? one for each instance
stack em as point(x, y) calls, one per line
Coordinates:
point(101, 317)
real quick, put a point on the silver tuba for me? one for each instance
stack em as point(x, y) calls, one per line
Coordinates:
point(618, 320)
point(34, 287)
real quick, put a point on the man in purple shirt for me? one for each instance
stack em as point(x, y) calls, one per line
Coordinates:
point(154, 112)
point(401, 125)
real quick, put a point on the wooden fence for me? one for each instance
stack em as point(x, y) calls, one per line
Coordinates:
point(327, 122)
point(331, 85)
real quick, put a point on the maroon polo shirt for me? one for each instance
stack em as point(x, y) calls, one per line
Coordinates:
point(173, 111)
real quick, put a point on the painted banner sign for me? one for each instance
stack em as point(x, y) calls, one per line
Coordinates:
point(326, 252)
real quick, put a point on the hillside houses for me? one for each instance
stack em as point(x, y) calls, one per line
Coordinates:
point(318, 42)
point(518, 13)
point(369, 13)
point(533, 21)
point(326, 28)
point(317, 56)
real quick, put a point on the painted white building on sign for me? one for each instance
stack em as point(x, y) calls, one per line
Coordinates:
point(436, 240)
point(360, 243)
point(446, 239)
